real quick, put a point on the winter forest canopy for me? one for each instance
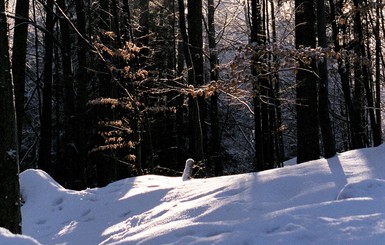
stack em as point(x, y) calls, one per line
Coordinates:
point(106, 89)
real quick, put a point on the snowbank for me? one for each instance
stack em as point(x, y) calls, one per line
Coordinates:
point(6, 237)
point(336, 201)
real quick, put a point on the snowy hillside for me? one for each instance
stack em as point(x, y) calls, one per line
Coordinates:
point(336, 201)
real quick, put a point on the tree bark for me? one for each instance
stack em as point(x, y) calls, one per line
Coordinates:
point(215, 141)
point(192, 49)
point(378, 129)
point(307, 107)
point(343, 70)
point(256, 29)
point(10, 214)
point(329, 144)
point(359, 138)
point(81, 78)
point(70, 157)
point(44, 161)
point(19, 60)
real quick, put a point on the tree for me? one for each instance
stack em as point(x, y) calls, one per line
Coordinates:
point(10, 214)
point(82, 83)
point(307, 107)
point(344, 69)
point(257, 37)
point(195, 75)
point(45, 160)
point(378, 130)
point(329, 144)
point(69, 155)
point(214, 76)
point(19, 60)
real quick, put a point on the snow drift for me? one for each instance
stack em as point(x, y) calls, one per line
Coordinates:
point(335, 201)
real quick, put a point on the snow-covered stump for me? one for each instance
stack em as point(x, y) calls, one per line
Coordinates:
point(187, 169)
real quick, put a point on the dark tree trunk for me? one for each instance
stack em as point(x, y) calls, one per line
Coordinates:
point(82, 84)
point(307, 107)
point(343, 69)
point(194, 19)
point(10, 214)
point(359, 137)
point(375, 122)
point(280, 152)
point(183, 56)
point(256, 31)
point(128, 34)
point(215, 141)
point(194, 61)
point(74, 170)
point(143, 36)
point(183, 32)
point(378, 129)
point(19, 60)
point(44, 161)
point(329, 144)
point(263, 110)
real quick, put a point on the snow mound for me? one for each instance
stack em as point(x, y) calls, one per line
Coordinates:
point(372, 188)
point(6, 237)
point(328, 201)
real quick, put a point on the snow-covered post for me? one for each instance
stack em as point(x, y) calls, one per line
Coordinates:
point(187, 169)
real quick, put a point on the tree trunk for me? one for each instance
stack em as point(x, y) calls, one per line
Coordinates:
point(215, 141)
point(343, 70)
point(128, 34)
point(307, 107)
point(359, 138)
point(378, 129)
point(329, 144)
point(82, 84)
point(256, 32)
point(375, 123)
point(195, 78)
point(194, 65)
point(10, 214)
point(70, 158)
point(143, 30)
point(280, 149)
point(45, 145)
point(19, 60)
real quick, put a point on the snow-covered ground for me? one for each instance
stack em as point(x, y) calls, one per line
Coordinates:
point(335, 201)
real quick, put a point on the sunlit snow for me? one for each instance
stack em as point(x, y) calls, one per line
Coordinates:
point(335, 201)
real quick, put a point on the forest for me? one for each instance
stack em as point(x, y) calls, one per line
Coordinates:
point(93, 91)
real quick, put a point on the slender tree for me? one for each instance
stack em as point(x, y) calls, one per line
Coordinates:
point(360, 80)
point(194, 56)
point(378, 53)
point(45, 160)
point(214, 76)
point(307, 107)
point(69, 158)
point(339, 28)
point(82, 83)
point(19, 60)
point(329, 144)
point(256, 34)
point(10, 215)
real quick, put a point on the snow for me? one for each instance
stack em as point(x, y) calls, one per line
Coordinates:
point(187, 169)
point(328, 201)
point(6, 237)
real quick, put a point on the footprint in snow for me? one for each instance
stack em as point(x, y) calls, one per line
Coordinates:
point(58, 201)
point(85, 213)
point(41, 222)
